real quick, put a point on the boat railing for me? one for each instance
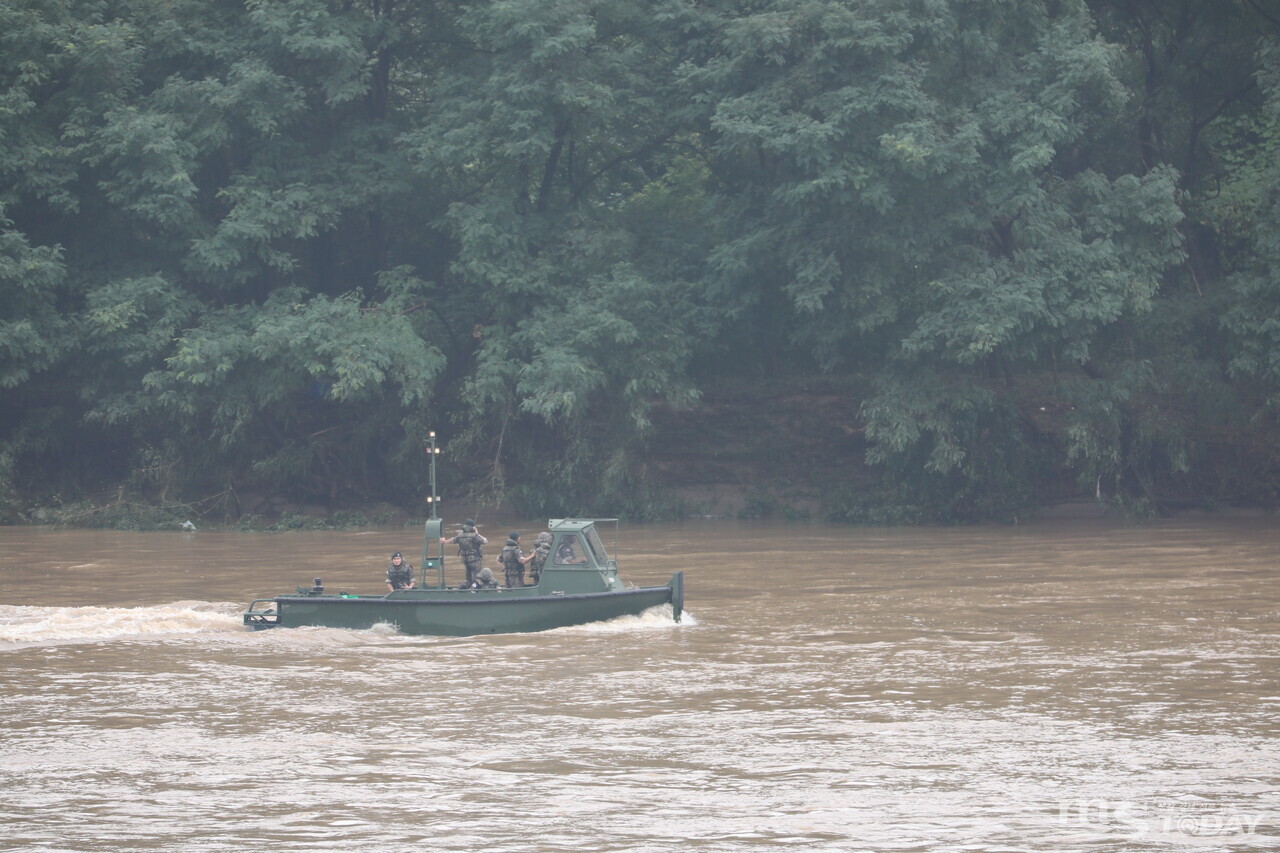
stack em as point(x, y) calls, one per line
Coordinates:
point(262, 617)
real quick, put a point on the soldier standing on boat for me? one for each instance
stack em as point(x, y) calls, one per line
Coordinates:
point(513, 560)
point(399, 573)
point(469, 543)
point(541, 549)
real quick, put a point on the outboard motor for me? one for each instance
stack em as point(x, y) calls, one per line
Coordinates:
point(317, 586)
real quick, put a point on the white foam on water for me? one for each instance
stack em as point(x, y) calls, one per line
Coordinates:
point(27, 626)
point(31, 626)
point(652, 619)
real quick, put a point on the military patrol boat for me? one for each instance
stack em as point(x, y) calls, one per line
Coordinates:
point(579, 583)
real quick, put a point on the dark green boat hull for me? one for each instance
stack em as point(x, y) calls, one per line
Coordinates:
point(461, 613)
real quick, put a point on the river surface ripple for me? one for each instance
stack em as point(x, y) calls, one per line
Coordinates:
point(1061, 686)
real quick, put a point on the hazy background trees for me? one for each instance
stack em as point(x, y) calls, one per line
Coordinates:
point(266, 245)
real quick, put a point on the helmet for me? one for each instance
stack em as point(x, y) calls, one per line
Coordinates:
point(515, 534)
point(470, 522)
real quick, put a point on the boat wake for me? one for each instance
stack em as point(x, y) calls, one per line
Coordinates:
point(36, 626)
point(654, 618)
point(25, 627)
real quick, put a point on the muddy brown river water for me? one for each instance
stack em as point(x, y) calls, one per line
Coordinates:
point(1059, 686)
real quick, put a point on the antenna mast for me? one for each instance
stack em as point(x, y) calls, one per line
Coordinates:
point(434, 526)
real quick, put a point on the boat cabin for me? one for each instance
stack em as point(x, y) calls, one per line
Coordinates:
point(578, 561)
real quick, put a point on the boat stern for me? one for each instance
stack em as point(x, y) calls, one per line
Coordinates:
point(677, 595)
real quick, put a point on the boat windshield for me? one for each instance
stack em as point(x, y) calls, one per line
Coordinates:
point(597, 546)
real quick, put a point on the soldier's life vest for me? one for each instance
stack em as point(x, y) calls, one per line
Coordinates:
point(541, 551)
point(510, 557)
point(468, 543)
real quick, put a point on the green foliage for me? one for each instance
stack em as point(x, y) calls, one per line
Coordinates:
point(10, 501)
point(270, 244)
point(1249, 211)
point(947, 452)
point(123, 512)
point(33, 334)
point(563, 112)
point(759, 505)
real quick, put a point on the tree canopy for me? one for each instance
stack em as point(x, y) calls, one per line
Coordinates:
point(269, 245)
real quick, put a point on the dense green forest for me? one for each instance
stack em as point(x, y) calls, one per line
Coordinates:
point(263, 246)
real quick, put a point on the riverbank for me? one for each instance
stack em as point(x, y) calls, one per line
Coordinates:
point(786, 450)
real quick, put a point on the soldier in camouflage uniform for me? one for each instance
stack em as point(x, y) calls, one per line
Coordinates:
point(513, 560)
point(469, 543)
point(541, 549)
point(399, 573)
point(485, 580)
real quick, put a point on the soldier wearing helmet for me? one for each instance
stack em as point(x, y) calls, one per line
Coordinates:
point(470, 543)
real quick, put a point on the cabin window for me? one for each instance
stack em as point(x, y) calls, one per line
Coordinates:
point(596, 544)
point(570, 551)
